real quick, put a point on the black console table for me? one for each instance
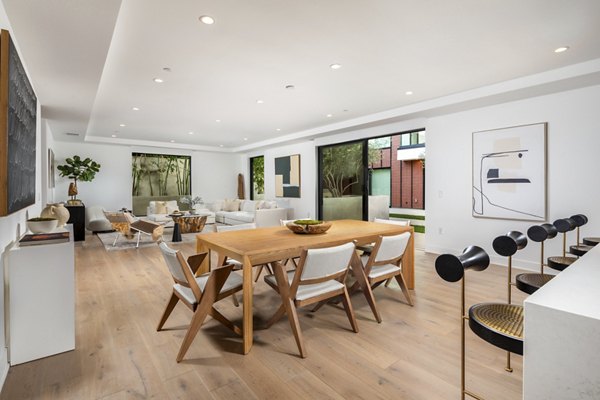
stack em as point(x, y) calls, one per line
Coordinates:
point(77, 218)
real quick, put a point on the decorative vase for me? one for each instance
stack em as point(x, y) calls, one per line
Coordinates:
point(57, 211)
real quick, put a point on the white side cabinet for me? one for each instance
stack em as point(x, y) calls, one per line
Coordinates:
point(40, 300)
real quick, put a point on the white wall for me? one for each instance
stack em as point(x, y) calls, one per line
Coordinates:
point(214, 175)
point(573, 162)
point(12, 226)
point(306, 205)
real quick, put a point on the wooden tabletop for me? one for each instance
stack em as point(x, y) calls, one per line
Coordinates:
point(263, 245)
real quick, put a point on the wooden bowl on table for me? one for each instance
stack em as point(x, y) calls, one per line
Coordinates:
point(308, 226)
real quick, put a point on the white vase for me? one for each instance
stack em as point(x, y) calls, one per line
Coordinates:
point(57, 211)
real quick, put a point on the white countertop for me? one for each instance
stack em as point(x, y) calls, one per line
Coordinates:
point(575, 290)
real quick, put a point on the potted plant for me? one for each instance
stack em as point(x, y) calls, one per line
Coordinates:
point(78, 170)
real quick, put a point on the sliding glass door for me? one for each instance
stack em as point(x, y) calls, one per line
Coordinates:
point(342, 181)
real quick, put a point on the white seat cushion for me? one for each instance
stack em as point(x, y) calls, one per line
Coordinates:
point(233, 281)
point(307, 291)
point(379, 270)
point(240, 216)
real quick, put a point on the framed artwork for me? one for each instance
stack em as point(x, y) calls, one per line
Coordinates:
point(509, 173)
point(51, 168)
point(18, 116)
point(287, 176)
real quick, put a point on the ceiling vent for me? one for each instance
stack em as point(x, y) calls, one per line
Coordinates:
point(71, 134)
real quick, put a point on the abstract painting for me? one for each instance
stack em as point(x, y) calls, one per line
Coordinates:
point(509, 173)
point(18, 116)
point(287, 176)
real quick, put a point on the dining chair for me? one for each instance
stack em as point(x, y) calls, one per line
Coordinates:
point(198, 293)
point(368, 248)
point(236, 264)
point(294, 260)
point(384, 262)
point(321, 275)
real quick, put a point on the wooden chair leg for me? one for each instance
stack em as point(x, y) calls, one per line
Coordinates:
point(349, 311)
point(213, 287)
point(277, 316)
point(260, 268)
point(387, 283)
point(404, 287)
point(170, 306)
point(374, 285)
point(319, 305)
point(227, 323)
point(290, 309)
point(235, 300)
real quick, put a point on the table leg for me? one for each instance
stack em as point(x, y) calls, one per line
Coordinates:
point(176, 233)
point(248, 289)
point(361, 279)
point(408, 262)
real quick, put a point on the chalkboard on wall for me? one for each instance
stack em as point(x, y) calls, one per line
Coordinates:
point(18, 106)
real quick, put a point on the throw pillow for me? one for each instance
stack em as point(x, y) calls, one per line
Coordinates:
point(259, 204)
point(171, 206)
point(247, 206)
point(160, 207)
point(231, 205)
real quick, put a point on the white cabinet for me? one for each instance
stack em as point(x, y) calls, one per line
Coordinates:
point(40, 300)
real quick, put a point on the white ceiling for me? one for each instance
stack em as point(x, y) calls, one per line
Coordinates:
point(92, 61)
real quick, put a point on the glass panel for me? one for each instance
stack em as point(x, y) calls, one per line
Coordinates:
point(414, 138)
point(421, 137)
point(342, 181)
point(405, 140)
point(380, 182)
point(257, 178)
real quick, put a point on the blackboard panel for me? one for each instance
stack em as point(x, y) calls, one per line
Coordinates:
point(21, 132)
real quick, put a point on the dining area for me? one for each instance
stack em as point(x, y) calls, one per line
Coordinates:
point(350, 259)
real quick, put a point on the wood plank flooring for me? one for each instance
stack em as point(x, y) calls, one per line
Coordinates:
point(413, 354)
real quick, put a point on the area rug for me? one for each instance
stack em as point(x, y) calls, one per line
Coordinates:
point(124, 243)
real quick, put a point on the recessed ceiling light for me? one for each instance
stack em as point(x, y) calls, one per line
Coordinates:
point(278, 129)
point(166, 69)
point(158, 80)
point(113, 135)
point(561, 49)
point(122, 125)
point(329, 115)
point(207, 19)
point(245, 139)
point(335, 66)
point(172, 141)
point(135, 108)
point(290, 87)
point(259, 102)
point(217, 120)
point(71, 134)
point(408, 93)
point(220, 145)
point(190, 133)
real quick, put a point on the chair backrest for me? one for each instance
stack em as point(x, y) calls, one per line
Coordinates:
point(390, 248)
point(240, 227)
point(176, 267)
point(402, 222)
point(325, 262)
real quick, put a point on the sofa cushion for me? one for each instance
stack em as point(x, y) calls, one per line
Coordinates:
point(160, 207)
point(231, 205)
point(248, 206)
point(171, 207)
point(240, 216)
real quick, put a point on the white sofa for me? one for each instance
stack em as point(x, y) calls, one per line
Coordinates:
point(96, 221)
point(157, 213)
point(262, 213)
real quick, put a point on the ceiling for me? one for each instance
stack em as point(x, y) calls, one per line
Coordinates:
point(91, 62)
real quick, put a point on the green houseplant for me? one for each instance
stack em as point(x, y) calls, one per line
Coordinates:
point(78, 170)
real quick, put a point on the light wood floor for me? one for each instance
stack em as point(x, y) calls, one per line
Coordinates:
point(413, 354)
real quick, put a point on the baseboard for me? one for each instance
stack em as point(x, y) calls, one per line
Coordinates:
point(4, 366)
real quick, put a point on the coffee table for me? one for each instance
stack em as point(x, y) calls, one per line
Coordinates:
point(187, 223)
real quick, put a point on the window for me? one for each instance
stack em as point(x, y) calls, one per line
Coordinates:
point(257, 178)
point(412, 139)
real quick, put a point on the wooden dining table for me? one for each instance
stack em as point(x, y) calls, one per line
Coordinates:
point(271, 245)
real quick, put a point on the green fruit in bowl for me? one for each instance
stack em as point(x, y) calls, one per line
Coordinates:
point(307, 222)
